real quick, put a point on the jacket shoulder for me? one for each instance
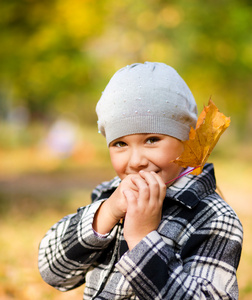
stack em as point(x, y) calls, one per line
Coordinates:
point(105, 189)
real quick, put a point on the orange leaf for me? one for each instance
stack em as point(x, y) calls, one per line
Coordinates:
point(210, 126)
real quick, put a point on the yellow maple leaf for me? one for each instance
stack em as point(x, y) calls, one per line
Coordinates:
point(210, 126)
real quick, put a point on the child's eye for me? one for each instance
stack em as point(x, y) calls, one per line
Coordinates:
point(152, 140)
point(119, 144)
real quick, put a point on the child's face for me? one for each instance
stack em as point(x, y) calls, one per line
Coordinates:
point(149, 152)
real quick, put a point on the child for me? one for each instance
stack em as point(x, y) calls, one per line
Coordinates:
point(140, 238)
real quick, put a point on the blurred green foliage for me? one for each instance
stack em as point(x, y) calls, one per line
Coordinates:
point(57, 55)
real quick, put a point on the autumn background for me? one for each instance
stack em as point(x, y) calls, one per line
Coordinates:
point(56, 56)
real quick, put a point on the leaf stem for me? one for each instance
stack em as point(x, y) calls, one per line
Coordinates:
point(187, 171)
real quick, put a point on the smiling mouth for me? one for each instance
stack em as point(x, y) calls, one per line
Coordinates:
point(132, 173)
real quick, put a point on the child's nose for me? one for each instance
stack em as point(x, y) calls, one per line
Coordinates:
point(137, 160)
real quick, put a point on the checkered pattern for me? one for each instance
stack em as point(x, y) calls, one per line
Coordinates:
point(193, 254)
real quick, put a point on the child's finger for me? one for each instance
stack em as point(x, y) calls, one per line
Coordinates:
point(129, 195)
point(143, 189)
point(151, 181)
point(162, 185)
point(156, 185)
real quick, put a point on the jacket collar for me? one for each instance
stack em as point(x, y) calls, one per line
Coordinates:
point(191, 189)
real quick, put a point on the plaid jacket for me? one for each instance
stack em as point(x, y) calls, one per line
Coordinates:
point(193, 254)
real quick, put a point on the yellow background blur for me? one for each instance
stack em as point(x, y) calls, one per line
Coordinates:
point(56, 57)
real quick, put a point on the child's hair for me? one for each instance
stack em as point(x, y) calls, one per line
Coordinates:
point(146, 98)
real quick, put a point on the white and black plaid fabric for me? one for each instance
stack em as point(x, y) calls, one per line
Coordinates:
point(194, 254)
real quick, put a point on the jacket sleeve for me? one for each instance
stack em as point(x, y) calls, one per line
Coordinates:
point(70, 247)
point(205, 268)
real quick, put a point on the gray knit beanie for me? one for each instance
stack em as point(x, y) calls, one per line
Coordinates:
point(146, 98)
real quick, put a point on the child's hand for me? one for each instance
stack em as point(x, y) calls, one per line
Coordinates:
point(144, 209)
point(117, 201)
point(115, 207)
